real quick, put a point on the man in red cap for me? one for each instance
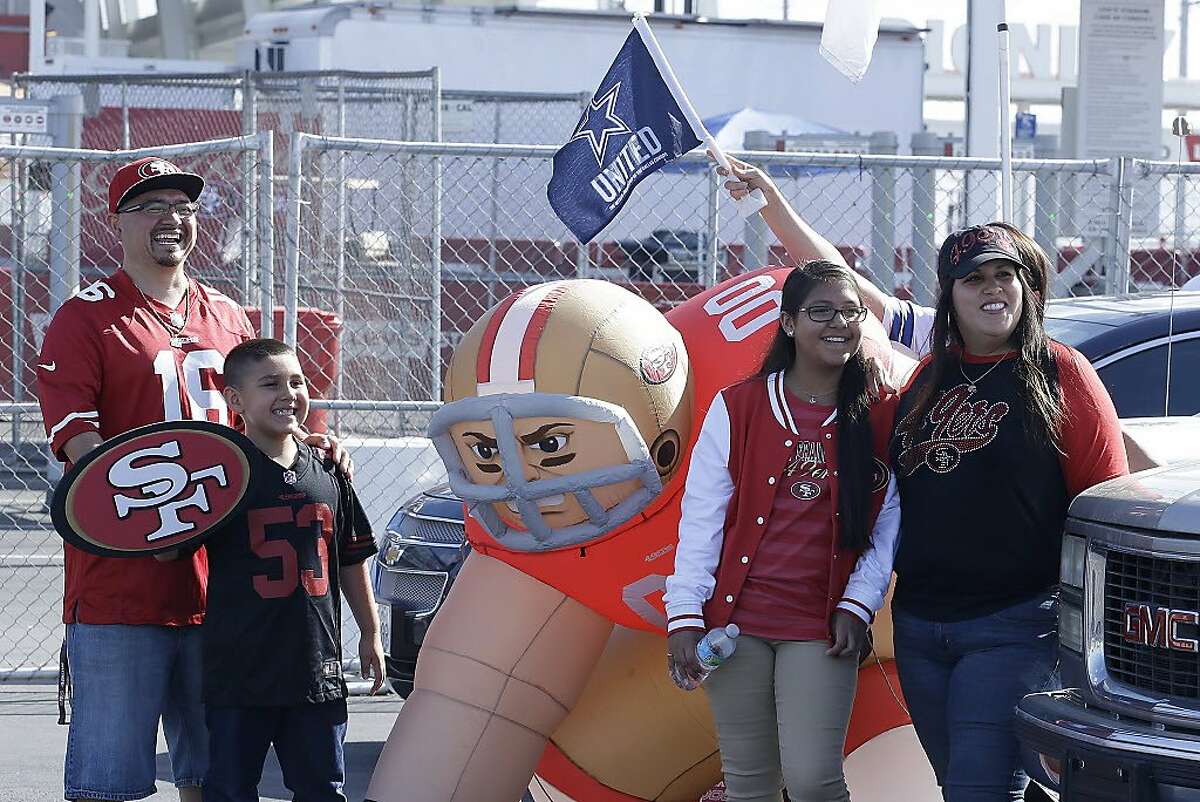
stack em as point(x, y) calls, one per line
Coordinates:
point(143, 345)
point(146, 344)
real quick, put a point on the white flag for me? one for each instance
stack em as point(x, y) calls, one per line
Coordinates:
point(848, 37)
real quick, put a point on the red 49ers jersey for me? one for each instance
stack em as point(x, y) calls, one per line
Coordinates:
point(109, 364)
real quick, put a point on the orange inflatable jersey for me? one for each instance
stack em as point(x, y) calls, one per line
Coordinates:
point(621, 576)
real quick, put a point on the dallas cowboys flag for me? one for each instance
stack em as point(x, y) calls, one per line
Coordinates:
point(632, 127)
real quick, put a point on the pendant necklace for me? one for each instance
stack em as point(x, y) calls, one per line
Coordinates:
point(177, 321)
point(971, 383)
point(812, 398)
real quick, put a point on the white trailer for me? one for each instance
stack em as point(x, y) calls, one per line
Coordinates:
point(724, 65)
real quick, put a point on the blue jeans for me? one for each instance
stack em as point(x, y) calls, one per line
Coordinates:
point(962, 681)
point(123, 679)
point(308, 742)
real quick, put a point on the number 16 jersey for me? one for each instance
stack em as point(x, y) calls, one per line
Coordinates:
point(272, 635)
point(108, 364)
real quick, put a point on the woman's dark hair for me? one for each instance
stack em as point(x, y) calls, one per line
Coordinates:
point(855, 453)
point(1035, 371)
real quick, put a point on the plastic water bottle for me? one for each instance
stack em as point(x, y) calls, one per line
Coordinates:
point(713, 649)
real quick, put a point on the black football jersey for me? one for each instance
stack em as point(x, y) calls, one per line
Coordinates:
point(272, 633)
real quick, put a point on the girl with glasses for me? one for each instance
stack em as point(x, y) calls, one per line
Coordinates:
point(997, 431)
point(788, 486)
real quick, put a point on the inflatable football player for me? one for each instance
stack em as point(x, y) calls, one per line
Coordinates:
point(571, 409)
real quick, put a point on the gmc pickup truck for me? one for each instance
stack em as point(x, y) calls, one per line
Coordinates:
point(1127, 727)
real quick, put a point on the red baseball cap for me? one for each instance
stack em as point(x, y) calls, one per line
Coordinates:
point(150, 173)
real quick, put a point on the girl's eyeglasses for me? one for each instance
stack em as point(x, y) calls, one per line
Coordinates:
point(824, 314)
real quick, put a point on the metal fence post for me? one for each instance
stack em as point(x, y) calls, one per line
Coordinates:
point(1045, 205)
point(582, 259)
point(1120, 199)
point(17, 226)
point(291, 283)
point(266, 232)
point(66, 120)
point(125, 137)
point(339, 240)
point(1180, 234)
point(249, 127)
point(436, 236)
point(708, 276)
point(494, 209)
point(882, 261)
point(924, 221)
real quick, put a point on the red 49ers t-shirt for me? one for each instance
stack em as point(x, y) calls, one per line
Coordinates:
point(109, 364)
point(784, 596)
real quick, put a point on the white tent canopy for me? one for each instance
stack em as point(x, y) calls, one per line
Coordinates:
point(730, 129)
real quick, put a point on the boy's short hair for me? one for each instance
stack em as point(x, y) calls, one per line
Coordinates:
point(244, 356)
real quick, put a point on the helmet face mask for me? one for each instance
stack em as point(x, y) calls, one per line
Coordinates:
point(544, 471)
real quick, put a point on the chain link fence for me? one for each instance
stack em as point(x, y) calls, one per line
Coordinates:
point(514, 118)
point(415, 241)
point(379, 255)
point(55, 236)
point(404, 302)
point(135, 111)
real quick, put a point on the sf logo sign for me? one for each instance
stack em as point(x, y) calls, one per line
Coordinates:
point(162, 483)
point(154, 489)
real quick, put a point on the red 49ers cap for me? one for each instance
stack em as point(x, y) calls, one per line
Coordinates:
point(150, 173)
point(967, 250)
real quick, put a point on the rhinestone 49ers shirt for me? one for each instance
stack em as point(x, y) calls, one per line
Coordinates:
point(982, 508)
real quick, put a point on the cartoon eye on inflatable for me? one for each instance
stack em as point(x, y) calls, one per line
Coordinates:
point(528, 443)
point(154, 489)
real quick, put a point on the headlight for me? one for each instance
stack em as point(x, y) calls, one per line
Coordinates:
point(1070, 626)
point(1072, 561)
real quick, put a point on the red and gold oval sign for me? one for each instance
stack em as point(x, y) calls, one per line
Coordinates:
point(154, 488)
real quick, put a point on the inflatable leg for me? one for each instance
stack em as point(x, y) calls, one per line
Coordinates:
point(502, 665)
point(633, 735)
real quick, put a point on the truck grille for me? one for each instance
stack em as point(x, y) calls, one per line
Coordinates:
point(431, 530)
point(1158, 582)
point(412, 592)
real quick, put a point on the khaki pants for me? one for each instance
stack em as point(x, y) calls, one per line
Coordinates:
point(782, 709)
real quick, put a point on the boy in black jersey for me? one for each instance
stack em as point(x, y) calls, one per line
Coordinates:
point(272, 633)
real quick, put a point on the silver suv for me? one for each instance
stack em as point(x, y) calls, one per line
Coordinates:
point(1128, 726)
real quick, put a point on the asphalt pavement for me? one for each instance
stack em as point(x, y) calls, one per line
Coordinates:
point(32, 745)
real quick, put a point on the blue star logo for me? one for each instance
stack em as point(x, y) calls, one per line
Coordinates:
point(600, 121)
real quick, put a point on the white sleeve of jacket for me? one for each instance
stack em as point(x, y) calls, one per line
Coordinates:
point(873, 572)
point(706, 496)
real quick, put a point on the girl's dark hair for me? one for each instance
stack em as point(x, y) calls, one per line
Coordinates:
point(855, 453)
point(1035, 371)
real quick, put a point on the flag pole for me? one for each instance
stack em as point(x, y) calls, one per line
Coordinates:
point(1006, 177)
point(747, 205)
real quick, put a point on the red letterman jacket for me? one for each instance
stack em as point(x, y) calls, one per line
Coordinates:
point(739, 458)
